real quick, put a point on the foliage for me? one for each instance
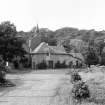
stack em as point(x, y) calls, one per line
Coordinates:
point(77, 45)
point(42, 65)
point(64, 65)
point(68, 36)
point(45, 35)
point(92, 57)
point(66, 33)
point(59, 65)
point(10, 45)
point(2, 70)
point(102, 59)
point(80, 91)
point(75, 77)
point(100, 45)
point(25, 62)
point(75, 40)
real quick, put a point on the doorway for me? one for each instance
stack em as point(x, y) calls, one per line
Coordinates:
point(50, 64)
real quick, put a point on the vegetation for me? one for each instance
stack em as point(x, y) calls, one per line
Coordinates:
point(2, 71)
point(42, 65)
point(75, 77)
point(10, 45)
point(92, 58)
point(59, 65)
point(88, 42)
point(80, 91)
point(79, 41)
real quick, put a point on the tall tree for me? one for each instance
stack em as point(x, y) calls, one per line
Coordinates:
point(10, 45)
point(92, 57)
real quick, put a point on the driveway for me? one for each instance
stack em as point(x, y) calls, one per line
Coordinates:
point(33, 88)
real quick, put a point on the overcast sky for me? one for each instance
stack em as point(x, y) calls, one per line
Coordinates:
point(54, 14)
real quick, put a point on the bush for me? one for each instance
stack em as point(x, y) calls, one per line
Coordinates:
point(64, 65)
point(80, 91)
point(25, 62)
point(75, 77)
point(2, 70)
point(92, 59)
point(42, 65)
point(16, 64)
point(59, 65)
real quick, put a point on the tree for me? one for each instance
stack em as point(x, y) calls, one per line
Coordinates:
point(92, 57)
point(10, 45)
point(100, 45)
point(80, 91)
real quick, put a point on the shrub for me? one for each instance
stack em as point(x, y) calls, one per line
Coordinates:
point(2, 70)
point(64, 65)
point(75, 77)
point(42, 65)
point(70, 64)
point(80, 91)
point(59, 65)
point(16, 64)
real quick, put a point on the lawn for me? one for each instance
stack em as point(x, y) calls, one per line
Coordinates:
point(95, 81)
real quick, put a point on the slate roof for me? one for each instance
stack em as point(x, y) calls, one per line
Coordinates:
point(35, 42)
point(45, 48)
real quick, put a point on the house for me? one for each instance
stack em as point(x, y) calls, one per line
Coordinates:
point(40, 51)
point(51, 55)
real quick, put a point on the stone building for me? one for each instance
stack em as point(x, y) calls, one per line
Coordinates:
point(51, 55)
point(40, 51)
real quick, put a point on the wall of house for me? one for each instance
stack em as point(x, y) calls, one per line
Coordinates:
point(38, 58)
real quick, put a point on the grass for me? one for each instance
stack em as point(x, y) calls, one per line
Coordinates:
point(95, 80)
point(96, 83)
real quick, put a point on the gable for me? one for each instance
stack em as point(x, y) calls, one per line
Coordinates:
point(45, 48)
point(40, 48)
point(58, 49)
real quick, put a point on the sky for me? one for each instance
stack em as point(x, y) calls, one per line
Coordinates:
point(54, 14)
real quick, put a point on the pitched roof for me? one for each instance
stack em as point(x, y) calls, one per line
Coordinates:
point(35, 42)
point(40, 48)
point(45, 48)
point(78, 55)
point(57, 49)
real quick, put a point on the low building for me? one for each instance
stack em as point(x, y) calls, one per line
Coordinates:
point(51, 55)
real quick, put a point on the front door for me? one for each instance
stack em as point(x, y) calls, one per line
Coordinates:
point(51, 64)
